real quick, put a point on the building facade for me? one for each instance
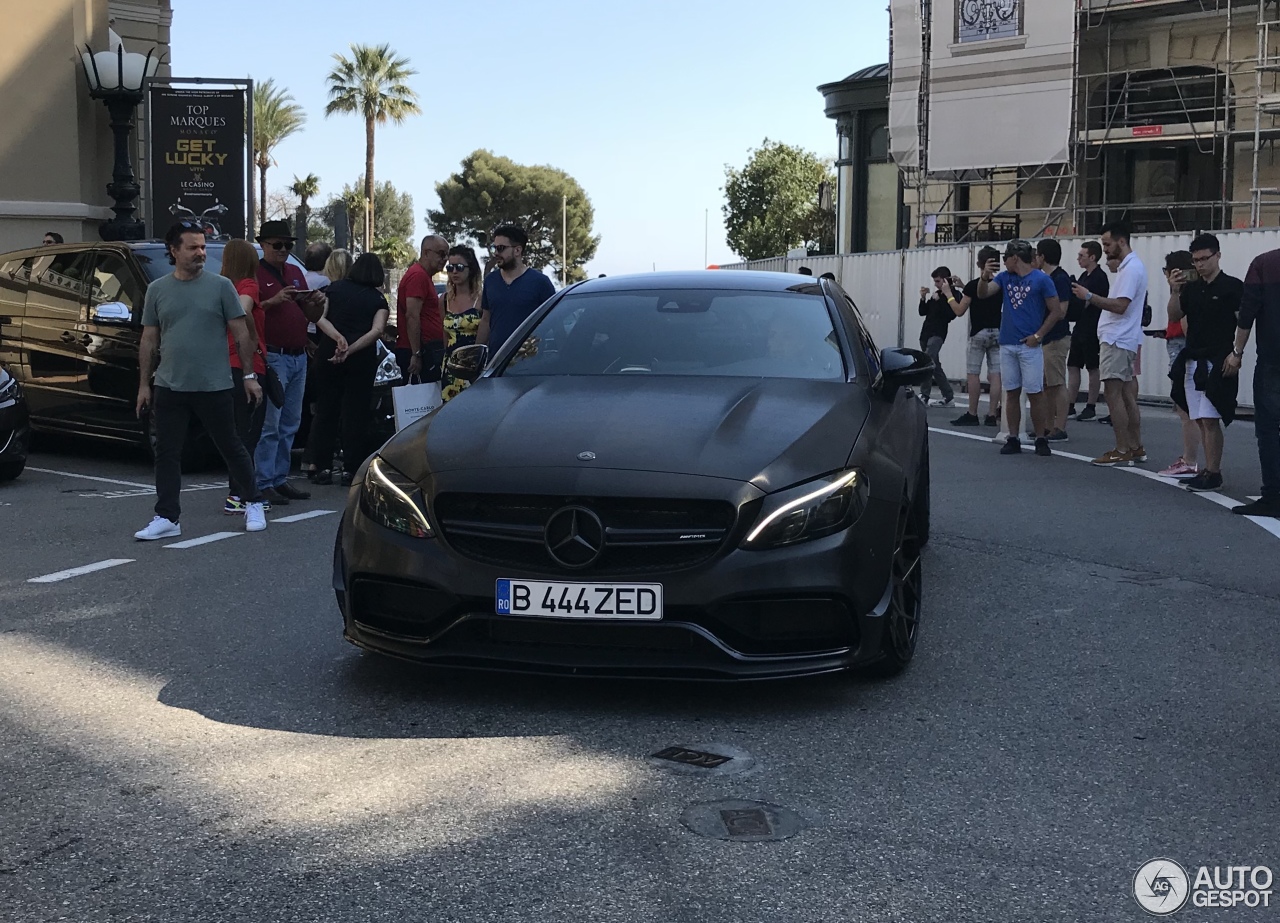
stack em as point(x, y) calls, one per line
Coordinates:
point(1034, 117)
point(56, 153)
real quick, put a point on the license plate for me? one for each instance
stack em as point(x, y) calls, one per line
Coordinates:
point(579, 600)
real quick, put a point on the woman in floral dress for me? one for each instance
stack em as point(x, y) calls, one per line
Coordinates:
point(460, 309)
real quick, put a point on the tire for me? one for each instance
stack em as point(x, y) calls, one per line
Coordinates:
point(11, 469)
point(900, 631)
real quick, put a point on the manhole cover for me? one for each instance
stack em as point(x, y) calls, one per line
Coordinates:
point(742, 821)
point(709, 759)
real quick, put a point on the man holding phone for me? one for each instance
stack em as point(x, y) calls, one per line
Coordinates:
point(1031, 308)
point(289, 307)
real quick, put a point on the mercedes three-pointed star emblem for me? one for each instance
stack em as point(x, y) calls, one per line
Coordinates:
point(574, 537)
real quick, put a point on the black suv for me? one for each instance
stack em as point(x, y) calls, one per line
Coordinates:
point(70, 322)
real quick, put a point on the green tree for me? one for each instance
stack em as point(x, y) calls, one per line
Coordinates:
point(393, 209)
point(275, 117)
point(395, 251)
point(772, 202)
point(371, 84)
point(491, 190)
point(305, 189)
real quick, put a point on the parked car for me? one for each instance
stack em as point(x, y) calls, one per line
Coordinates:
point(72, 320)
point(15, 423)
point(705, 475)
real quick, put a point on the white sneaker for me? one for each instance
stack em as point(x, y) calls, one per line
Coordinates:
point(159, 528)
point(1001, 437)
point(939, 402)
point(255, 520)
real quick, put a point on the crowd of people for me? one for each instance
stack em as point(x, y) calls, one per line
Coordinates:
point(291, 327)
point(1037, 330)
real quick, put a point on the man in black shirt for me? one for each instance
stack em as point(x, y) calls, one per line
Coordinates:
point(1085, 347)
point(937, 314)
point(1211, 305)
point(984, 342)
point(1261, 305)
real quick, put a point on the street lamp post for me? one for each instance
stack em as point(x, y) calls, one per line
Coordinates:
point(116, 77)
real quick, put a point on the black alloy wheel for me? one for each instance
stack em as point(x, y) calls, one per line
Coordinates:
point(11, 469)
point(902, 619)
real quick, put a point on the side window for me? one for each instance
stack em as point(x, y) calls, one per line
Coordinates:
point(113, 279)
point(59, 285)
point(14, 275)
point(863, 339)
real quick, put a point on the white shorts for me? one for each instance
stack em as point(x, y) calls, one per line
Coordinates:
point(1199, 407)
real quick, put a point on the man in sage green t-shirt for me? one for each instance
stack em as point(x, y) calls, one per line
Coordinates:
point(186, 317)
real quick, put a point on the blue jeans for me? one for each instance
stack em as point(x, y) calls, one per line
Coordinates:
point(272, 457)
point(1266, 424)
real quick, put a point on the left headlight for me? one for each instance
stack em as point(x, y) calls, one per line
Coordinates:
point(390, 499)
point(810, 510)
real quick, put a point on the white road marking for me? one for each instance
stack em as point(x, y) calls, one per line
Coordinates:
point(89, 477)
point(77, 571)
point(298, 517)
point(1265, 522)
point(204, 539)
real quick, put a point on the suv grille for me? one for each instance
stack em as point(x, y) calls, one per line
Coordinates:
point(641, 534)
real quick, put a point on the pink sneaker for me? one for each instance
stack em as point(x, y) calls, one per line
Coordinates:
point(1180, 469)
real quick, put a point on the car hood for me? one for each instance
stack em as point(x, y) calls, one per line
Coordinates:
point(770, 432)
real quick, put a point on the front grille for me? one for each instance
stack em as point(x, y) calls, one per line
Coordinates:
point(642, 535)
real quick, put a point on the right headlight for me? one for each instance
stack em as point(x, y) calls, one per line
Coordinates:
point(810, 510)
point(390, 499)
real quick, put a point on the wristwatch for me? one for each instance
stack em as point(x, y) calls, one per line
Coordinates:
point(1039, 338)
point(250, 376)
point(1238, 353)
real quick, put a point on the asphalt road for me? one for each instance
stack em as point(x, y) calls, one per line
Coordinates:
point(185, 736)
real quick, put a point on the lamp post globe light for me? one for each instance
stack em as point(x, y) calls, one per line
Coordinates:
point(116, 77)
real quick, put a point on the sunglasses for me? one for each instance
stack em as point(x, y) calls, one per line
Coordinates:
point(455, 267)
point(501, 248)
point(279, 244)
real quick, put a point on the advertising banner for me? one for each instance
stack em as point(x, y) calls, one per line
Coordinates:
point(197, 167)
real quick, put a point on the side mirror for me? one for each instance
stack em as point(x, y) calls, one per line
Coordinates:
point(111, 312)
point(902, 367)
point(467, 362)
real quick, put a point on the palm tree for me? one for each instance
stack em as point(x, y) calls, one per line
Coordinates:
point(371, 84)
point(275, 117)
point(306, 188)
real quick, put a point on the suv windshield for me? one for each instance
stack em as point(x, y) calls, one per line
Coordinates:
point(155, 262)
point(684, 332)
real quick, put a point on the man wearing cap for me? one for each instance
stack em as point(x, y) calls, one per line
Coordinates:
point(1031, 308)
point(287, 304)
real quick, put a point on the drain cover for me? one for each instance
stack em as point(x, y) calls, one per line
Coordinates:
point(709, 759)
point(742, 821)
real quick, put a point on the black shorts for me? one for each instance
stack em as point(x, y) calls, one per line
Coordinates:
point(1084, 353)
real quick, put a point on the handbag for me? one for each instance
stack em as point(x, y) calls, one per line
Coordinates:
point(271, 385)
point(414, 401)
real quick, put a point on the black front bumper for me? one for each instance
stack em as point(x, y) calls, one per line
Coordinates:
point(803, 610)
point(15, 432)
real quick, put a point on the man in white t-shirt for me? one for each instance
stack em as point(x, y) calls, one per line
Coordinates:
point(1120, 335)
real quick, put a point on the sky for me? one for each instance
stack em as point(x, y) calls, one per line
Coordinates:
point(643, 105)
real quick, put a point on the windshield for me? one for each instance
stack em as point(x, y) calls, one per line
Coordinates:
point(684, 332)
point(155, 262)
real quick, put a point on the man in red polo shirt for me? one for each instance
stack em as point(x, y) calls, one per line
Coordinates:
point(420, 326)
point(286, 301)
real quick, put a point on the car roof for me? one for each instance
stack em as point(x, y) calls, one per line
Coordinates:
point(736, 279)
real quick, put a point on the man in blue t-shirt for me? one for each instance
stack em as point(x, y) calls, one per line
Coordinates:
point(1031, 308)
point(513, 291)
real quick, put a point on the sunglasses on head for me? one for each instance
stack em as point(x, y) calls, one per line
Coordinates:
point(455, 267)
point(279, 244)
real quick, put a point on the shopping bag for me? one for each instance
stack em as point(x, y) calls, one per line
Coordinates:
point(414, 401)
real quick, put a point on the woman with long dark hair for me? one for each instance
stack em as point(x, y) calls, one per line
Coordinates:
point(345, 364)
point(460, 310)
point(240, 265)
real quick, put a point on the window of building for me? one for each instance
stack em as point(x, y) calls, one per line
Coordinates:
point(979, 20)
point(1176, 96)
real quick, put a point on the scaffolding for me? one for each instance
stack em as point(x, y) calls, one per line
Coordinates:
point(1174, 122)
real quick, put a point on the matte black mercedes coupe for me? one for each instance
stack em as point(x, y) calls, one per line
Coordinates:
point(710, 475)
